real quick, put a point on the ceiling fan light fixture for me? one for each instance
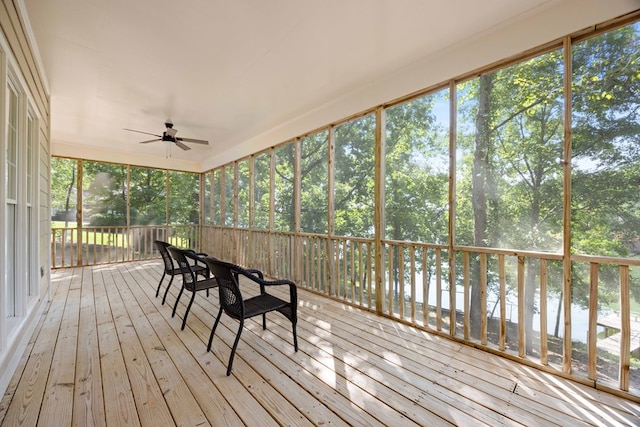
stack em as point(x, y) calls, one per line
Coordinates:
point(170, 135)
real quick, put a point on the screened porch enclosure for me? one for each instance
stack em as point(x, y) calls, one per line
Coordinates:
point(499, 209)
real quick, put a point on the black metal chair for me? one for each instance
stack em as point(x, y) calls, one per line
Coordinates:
point(190, 280)
point(232, 302)
point(170, 269)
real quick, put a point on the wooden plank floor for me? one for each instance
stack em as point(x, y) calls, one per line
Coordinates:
point(106, 352)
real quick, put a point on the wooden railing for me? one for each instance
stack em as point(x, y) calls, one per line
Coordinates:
point(71, 246)
point(504, 301)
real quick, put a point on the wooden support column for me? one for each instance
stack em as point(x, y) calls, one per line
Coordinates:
point(79, 214)
point(331, 215)
point(293, 248)
point(272, 208)
point(566, 246)
point(378, 216)
point(453, 120)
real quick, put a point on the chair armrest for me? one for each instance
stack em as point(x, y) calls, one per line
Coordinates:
point(190, 253)
point(259, 279)
point(198, 260)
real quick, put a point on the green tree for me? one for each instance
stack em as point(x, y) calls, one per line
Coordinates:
point(63, 189)
point(416, 179)
point(147, 195)
point(605, 205)
point(354, 177)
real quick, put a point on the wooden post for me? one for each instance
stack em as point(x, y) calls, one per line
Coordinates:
point(331, 255)
point(378, 216)
point(272, 208)
point(79, 214)
point(625, 328)
point(467, 296)
point(543, 312)
point(503, 303)
point(522, 339)
point(566, 243)
point(483, 298)
point(453, 120)
point(297, 193)
point(593, 320)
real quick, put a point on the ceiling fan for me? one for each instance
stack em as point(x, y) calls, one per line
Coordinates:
point(170, 135)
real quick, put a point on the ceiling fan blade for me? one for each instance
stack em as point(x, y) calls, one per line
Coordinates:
point(197, 141)
point(151, 140)
point(181, 145)
point(146, 133)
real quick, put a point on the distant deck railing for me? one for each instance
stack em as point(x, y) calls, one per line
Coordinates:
point(72, 246)
point(518, 308)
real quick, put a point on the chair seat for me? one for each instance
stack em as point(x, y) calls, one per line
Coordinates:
point(202, 284)
point(262, 304)
point(195, 268)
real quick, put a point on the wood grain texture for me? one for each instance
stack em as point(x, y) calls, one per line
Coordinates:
point(352, 368)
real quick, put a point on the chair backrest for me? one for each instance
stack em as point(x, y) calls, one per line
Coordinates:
point(229, 290)
point(188, 276)
point(163, 249)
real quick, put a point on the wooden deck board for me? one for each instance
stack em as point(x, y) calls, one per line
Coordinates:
point(106, 352)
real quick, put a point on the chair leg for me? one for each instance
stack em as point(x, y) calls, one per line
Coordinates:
point(166, 292)
point(164, 273)
point(175, 306)
point(186, 313)
point(295, 336)
point(213, 330)
point(264, 321)
point(235, 345)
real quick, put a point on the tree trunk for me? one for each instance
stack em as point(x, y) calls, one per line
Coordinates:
point(480, 179)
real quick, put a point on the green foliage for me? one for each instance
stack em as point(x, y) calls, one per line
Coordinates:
point(314, 196)
point(261, 192)
point(354, 177)
point(284, 188)
point(184, 198)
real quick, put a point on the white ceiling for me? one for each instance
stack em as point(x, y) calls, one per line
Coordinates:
point(226, 70)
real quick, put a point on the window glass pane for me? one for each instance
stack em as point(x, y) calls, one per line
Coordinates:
point(10, 261)
point(104, 197)
point(284, 194)
point(417, 170)
point(262, 178)
point(31, 142)
point(12, 143)
point(354, 177)
point(243, 193)
point(314, 176)
point(148, 198)
point(31, 256)
point(184, 198)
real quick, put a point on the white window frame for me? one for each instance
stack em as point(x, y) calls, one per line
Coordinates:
point(26, 255)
